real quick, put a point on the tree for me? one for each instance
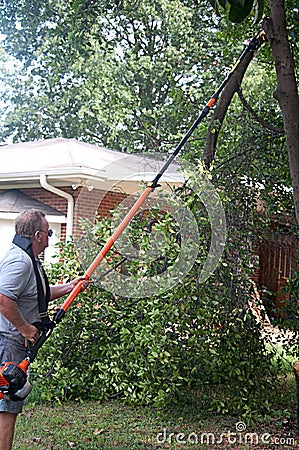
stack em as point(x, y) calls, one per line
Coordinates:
point(287, 92)
point(128, 78)
point(275, 27)
point(125, 77)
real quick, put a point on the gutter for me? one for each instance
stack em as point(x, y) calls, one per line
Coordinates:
point(70, 203)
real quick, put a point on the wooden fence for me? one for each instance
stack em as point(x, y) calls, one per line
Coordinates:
point(278, 257)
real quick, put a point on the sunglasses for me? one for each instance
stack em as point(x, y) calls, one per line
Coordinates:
point(49, 231)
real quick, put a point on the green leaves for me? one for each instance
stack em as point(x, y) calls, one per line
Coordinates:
point(125, 77)
point(160, 349)
point(239, 10)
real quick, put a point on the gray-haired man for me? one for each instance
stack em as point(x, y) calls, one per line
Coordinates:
point(20, 290)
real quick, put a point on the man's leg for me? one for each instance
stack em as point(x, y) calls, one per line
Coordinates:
point(7, 428)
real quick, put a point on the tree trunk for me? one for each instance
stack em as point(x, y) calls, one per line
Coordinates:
point(286, 93)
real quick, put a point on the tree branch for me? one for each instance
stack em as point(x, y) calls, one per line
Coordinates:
point(221, 108)
point(256, 116)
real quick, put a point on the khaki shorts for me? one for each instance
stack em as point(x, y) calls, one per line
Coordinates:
point(11, 350)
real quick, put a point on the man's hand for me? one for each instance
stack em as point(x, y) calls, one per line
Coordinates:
point(30, 332)
point(74, 283)
point(11, 312)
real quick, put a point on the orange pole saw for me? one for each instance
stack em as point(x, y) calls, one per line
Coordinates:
point(13, 377)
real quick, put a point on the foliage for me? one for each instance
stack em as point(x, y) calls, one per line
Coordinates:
point(114, 78)
point(197, 337)
point(135, 78)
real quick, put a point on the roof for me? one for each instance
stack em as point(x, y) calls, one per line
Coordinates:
point(15, 201)
point(70, 162)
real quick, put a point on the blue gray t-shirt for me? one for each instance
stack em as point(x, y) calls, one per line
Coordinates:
point(18, 282)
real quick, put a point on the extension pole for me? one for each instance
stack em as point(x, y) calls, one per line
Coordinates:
point(101, 255)
point(251, 46)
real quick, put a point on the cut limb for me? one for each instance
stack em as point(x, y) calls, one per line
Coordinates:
point(221, 108)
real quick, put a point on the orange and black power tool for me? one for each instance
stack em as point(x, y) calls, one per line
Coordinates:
point(14, 384)
point(13, 380)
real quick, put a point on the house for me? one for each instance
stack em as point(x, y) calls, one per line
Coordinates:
point(69, 180)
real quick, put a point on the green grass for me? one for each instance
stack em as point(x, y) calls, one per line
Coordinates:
point(93, 425)
point(114, 425)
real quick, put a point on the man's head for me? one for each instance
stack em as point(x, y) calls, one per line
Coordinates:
point(33, 224)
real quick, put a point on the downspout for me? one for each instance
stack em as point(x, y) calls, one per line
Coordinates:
point(70, 203)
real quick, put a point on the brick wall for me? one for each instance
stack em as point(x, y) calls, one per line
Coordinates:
point(86, 204)
point(49, 198)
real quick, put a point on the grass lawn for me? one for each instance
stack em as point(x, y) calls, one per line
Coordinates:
point(114, 425)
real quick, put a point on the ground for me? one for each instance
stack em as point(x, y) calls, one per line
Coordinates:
point(113, 425)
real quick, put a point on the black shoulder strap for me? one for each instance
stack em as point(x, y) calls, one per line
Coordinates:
point(43, 300)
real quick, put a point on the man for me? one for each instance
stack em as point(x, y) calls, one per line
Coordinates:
point(23, 289)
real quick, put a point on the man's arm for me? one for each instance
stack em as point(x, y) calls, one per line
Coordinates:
point(60, 290)
point(10, 311)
